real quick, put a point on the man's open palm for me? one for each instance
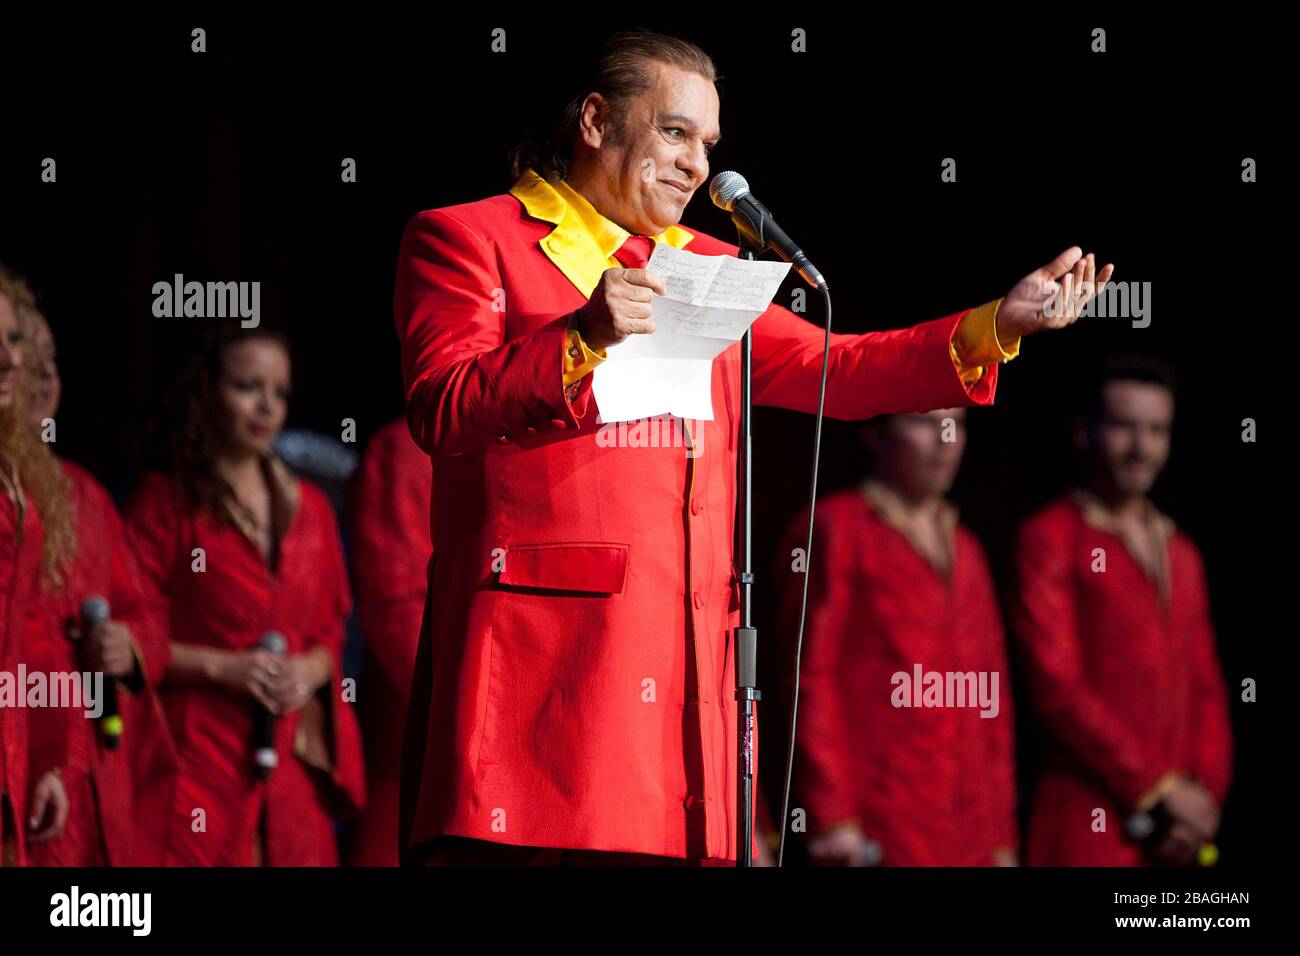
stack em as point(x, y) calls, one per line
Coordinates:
point(1053, 296)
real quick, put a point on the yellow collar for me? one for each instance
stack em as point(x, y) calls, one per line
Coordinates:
point(583, 242)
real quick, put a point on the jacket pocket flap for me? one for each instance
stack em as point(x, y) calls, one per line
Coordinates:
point(599, 568)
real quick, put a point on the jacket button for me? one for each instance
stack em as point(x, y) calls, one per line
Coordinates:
point(697, 505)
point(532, 430)
point(689, 801)
point(503, 439)
point(559, 423)
point(699, 599)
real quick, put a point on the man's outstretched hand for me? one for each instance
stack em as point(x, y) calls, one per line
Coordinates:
point(1053, 296)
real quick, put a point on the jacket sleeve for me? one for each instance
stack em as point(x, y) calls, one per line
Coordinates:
point(999, 738)
point(154, 535)
point(49, 728)
point(1046, 622)
point(874, 373)
point(329, 630)
point(824, 768)
point(1211, 733)
point(390, 550)
point(467, 386)
point(127, 598)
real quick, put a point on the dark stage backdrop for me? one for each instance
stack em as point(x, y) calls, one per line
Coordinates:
point(226, 166)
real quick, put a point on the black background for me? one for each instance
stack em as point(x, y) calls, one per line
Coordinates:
point(226, 166)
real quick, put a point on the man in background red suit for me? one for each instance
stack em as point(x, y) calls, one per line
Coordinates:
point(899, 586)
point(130, 648)
point(1114, 624)
point(389, 516)
point(573, 689)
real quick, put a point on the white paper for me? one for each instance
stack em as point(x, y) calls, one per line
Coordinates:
point(711, 301)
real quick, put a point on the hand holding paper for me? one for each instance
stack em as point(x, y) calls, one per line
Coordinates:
point(710, 302)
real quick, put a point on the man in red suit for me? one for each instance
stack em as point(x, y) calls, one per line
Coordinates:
point(573, 688)
point(888, 772)
point(1119, 651)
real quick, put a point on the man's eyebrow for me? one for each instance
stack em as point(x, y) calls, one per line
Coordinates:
point(683, 120)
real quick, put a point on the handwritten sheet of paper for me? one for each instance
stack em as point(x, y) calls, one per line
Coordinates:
point(711, 301)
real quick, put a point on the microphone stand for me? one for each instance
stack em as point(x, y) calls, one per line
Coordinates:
point(746, 635)
point(753, 239)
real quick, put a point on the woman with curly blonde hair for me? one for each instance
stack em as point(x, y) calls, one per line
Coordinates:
point(36, 538)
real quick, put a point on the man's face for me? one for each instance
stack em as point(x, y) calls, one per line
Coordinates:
point(652, 165)
point(919, 454)
point(1130, 440)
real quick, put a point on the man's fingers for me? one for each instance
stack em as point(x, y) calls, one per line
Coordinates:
point(637, 326)
point(1062, 263)
point(1104, 276)
point(644, 277)
point(40, 799)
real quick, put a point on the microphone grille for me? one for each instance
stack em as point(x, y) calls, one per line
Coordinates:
point(726, 188)
point(95, 610)
point(274, 642)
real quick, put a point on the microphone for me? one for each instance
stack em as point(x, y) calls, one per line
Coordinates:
point(94, 612)
point(1148, 827)
point(730, 193)
point(265, 757)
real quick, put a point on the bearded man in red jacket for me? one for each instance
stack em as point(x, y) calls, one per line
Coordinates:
point(573, 688)
point(1114, 625)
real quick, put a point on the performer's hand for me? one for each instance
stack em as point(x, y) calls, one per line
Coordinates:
point(1005, 856)
point(619, 306)
point(1191, 804)
point(251, 672)
point(1178, 847)
point(109, 648)
point(299, 678)
point(843, 845)
point(1066, 283)
point(49, 808)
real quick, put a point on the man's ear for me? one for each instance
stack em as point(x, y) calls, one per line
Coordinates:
point(593, 120)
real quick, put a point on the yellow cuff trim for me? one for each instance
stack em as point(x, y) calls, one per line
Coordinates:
point(975, 343)
point(576, 367)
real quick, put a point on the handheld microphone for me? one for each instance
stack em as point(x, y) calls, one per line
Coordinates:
point(730, 193)
point(265, 757)
point(94, 612)
point(1149, 827)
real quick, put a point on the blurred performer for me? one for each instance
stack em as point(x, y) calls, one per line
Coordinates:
point(391, 545)
point(238, 552)
point(36, 540)
point(1119, 650)
point(130, 649)
point(892, 767)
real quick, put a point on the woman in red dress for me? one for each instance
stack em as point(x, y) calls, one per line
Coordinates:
point(235, 551)
point(113, 785)
point(33, 801)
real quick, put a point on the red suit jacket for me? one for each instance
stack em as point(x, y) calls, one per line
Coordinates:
point(389, 516)
point(101, 783)
point(574, 685)
point(933, 786)
point(32, 740)
point(230, 605)
point(1128, 687)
